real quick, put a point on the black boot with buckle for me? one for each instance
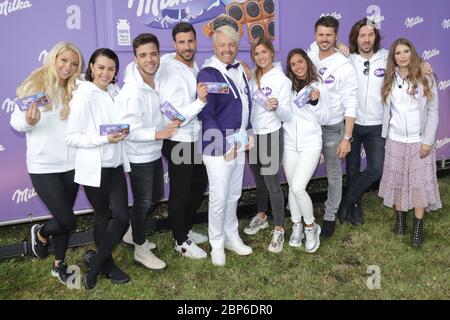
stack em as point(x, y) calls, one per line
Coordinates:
point(417, 236)
point(400, 223)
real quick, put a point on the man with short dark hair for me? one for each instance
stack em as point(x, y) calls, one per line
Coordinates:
point(339, 78)
point(177, 84)
point(139, 102)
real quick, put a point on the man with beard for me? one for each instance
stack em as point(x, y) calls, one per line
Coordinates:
point(177, 84)
point(339, 78)
point(139, 102)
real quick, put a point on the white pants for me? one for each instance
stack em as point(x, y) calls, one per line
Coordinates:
point(225, 187)
point(299, 168)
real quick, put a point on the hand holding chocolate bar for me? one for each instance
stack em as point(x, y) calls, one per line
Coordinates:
point(40, 99)
point(33, 115)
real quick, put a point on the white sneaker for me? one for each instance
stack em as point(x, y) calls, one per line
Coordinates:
point(255, 225)
point(144, 256)
point(128, 239)
point(218, 257)
point(196, 237)
point(276, 244)
point(191, 250)
point(238, 247)
point(312, 238)
point(297, 235)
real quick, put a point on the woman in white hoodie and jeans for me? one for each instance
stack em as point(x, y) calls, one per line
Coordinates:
point(100, 162)
point(50, 162)
point(303, 145)
point(266, 119)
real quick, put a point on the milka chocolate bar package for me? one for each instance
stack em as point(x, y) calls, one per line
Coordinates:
point(304, 97)
point(170, 112)
point(106, 129)
point(217, 87)
point(40, 98)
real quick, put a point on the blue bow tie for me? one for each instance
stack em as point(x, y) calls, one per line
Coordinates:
point(233, 66)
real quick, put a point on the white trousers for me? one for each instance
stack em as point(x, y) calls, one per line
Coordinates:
point(225, 187)
point(299, 168)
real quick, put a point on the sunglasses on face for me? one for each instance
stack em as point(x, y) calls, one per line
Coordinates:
point(367, 67)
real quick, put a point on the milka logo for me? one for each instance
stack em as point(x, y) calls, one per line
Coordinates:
point(442, 143)
point(267, 91)
point(156, 6)
point(322, 71)
point(444, 85)
point(333, 14)
point(43, 56)
point(411, 22)
point(7, 7)
point(446, 24)
point(8, 105)
point(428, 54)
point(380, 72)
point(23, 195)
point(330, 80)
point(376, 19)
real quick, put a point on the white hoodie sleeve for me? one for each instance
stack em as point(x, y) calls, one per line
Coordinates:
point(171, 90)
point(77, 134)
point(18, 121)
point(133, 113)
point(349, 91)
point(283, 112)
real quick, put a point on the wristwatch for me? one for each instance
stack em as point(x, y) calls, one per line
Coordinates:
point(349, 139)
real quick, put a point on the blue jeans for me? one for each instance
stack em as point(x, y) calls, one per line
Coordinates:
point(147, 181)
point(358, 182)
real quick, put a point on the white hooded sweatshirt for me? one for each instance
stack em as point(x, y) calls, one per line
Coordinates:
point(303, 129)
point(140, 109)
point(273, 84)
point(177, 84)
point(91, 107)
point(47, 151)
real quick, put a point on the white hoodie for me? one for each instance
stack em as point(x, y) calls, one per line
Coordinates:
point(370, 108)
point(273, 84)
point(177, 84)
point(303, 129)
point(47, 151)
point(140, 109)
point(339, 78)
point(91, 107)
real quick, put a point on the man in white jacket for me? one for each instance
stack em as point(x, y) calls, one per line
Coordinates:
point(339, 78)
point(177, 84)
point(139, 102)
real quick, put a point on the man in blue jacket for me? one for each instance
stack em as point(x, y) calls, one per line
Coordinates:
point(225, 120)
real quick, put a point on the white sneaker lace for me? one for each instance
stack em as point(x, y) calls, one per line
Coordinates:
point(277, 237)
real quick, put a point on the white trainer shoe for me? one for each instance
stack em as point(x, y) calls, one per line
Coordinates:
point(144, 256)
point(128, 239)
point(238, 247)
point(312, 242)
point(276, 244)
point(297, 235)
point(190, 250)
point(196, 237)
point(255, 225)
point(218, 257)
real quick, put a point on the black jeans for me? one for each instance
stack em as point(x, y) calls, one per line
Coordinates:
point(358, 182)
point(147, 182)
point(110, 204)
point(188, 181)
point(265, 160)
point(58, 192)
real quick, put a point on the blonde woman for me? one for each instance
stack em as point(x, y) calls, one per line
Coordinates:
point(410, 121)
point(50, 162)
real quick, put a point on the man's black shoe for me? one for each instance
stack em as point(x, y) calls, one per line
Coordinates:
point(328, 228)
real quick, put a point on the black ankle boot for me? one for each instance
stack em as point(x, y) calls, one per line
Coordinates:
point(417, 235)
point(345, 211)
point(111, 271)
point(400, 223)
point(356, 211)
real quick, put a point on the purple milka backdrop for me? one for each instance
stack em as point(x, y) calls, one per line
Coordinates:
point(29, 28)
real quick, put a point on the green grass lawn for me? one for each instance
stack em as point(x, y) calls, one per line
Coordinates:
point(338, 270)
